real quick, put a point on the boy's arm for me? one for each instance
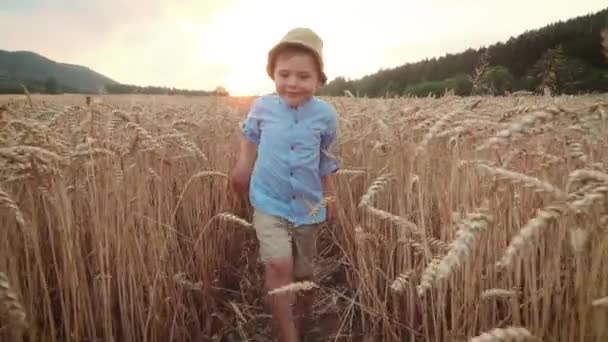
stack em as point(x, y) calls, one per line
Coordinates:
point(241, 174)
point(329, 189)
point(249, 140)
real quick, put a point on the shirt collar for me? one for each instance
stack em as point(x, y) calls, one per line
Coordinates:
point(299, 108)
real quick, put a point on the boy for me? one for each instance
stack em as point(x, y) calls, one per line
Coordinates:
point(283, 152)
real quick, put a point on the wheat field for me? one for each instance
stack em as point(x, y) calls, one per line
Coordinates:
point(479, 218)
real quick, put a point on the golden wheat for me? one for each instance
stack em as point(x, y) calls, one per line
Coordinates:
point(118, 213)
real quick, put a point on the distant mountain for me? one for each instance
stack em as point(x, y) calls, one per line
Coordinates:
point(40, 74)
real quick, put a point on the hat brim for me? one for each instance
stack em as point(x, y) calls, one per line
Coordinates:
point(277, 48)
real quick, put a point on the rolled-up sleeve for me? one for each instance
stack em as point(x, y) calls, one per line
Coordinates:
point(329, 162)
point(250, 127)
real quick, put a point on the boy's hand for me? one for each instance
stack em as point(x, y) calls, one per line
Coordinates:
point(239, 179)
point(241, 174)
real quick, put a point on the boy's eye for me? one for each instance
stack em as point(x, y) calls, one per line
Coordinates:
point(305, 76)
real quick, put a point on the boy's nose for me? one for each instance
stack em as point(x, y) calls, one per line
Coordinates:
point(292, 81)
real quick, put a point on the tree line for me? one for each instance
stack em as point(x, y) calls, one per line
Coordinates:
point(52, 86)
point(152, 90)
point(564, 58)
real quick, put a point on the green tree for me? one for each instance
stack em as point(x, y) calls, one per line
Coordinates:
point(605, 43)
point(220, 91)
point(51, 85)
point(497, 79)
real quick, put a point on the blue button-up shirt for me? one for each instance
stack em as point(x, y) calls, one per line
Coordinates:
point(292, 155)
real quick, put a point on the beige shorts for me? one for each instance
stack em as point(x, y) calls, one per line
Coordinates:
point(279, 239)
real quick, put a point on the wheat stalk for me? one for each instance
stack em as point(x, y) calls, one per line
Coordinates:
point(200, 174)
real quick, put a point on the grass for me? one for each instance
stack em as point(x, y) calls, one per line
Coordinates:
point(458, 218)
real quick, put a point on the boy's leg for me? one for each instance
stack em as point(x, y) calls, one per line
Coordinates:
point(304, 242)
point(276, 254)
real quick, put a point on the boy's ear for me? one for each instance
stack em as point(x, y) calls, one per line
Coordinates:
point(319, 85)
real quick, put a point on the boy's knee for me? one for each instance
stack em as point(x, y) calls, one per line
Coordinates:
point(279, 270)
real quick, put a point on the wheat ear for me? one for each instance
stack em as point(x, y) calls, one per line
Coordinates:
point(600, 302)
point(505, 334)
point(498, 293)
point(459, 249)
point(294, 287)
point(524, 237)
point(229, 217)
point(10, 303)
point(527, 181)
point(371, 193)
point(7, 201)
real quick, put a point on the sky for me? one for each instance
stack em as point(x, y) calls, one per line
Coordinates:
point(201, 44)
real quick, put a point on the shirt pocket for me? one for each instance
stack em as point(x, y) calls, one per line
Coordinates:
point(312, 137)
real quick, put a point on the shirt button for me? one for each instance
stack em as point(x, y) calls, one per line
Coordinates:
point(291, 173)
point(296, 122)
point(292, 148)
point(293, 197)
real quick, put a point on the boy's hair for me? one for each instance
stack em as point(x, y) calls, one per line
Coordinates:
point(294, 48)
point(299, 40)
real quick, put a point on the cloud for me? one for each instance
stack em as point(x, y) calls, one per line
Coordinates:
point(133, 41)
point(61, 29)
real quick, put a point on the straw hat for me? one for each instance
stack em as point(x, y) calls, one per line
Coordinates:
point(302, 37)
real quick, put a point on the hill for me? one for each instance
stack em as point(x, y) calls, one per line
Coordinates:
point(42, 75)
point(39, 74)
point(565, 56)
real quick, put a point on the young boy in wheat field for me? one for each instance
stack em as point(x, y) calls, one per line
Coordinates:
point(285, 166)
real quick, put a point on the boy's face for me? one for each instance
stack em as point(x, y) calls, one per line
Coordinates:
point(295, 77)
